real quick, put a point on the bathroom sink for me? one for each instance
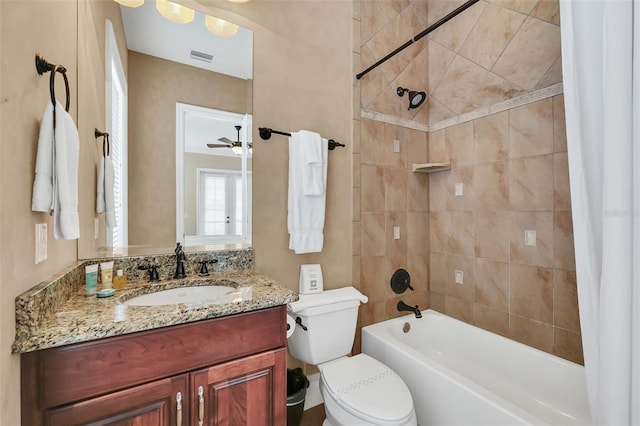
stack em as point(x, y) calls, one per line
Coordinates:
point(194, 295)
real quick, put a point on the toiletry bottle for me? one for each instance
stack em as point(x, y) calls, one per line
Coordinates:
point(120, 280)
point(91, 279)
point(106, 273)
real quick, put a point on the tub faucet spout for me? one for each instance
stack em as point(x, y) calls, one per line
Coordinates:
point(404, 307)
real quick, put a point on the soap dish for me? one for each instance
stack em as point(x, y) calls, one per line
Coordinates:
point(107, 292)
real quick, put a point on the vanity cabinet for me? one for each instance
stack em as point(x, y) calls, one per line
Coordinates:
point(229, 370)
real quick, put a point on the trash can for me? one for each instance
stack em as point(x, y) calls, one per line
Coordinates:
point(297, 384)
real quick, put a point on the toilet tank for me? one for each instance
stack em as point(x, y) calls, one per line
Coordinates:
point(330, 331)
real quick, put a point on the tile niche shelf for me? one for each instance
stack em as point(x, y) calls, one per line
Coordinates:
point(430, 167)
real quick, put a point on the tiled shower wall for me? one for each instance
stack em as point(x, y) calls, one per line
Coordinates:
point(512, 167)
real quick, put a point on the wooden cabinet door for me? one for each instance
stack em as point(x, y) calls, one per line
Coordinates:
point(151, 404)
point(248, 391)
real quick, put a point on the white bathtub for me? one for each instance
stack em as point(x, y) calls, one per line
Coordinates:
point(459, 374)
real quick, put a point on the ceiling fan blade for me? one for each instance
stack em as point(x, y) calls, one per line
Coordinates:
point(226, 140)
point(218, 145)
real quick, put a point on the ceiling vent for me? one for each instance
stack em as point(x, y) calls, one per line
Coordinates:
point(204, 57)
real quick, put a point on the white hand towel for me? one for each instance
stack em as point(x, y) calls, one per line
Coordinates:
point(343, 294)
point(100, 202)
point(312, 158)
point(55, 188)
point(110, 217)
point(42, 197)
point(305, 220)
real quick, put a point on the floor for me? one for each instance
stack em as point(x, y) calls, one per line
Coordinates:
point(313, 416)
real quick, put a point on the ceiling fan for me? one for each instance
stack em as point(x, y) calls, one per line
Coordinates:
point(236, 146)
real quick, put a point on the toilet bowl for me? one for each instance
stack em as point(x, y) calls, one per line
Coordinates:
point(357, 390)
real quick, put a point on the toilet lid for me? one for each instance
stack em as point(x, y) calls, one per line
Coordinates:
point(368, 389)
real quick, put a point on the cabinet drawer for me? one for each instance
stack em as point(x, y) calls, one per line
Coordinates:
point(84, 370)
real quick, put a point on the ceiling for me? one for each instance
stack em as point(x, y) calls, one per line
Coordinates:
point(150, 33)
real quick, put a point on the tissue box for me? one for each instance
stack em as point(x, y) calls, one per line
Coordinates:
point(310, 279)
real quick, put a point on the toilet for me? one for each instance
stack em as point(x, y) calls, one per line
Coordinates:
point(357, 390)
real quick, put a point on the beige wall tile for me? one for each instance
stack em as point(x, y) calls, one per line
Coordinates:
point(439, 60)
point(492, 283)
point(460, 232)
point(531, 129)
point(531, 292)
point(565, 300)
point(373, 237)
point(491, 319)
point(371, 138)
point(561, 190)
point(356, 205)
point(437, 301)
point(522, 6)
point(491, 34)
point(491, 185)
point(490, 90)
point(356, 231)
point(568, 344)
point(563, 247)
point(416, 148)
point(374, 276)
point(490, 136)
point(465, 264)
point(356, 136)
point(418, 268)
point(372, 186)
point(373, 83)
point(559, 125)
point(458, 83)
point(389, 157)
point(438, 111)
point(459, 144)
point(355, 272)
point(453, 35)
point(416, 232)
point(460, 176)
point(417, 191)
point(437, 147)
point(438, 272)
point(530, 53)
point(542, 253)
point(395, 188)
point(396, 247)
point(438, 191)
point(531, 183)
point(552, 76)
point(547, 10)
point(532, 333)
point(492, 235)
point(459, 309)
point(372, 19)
point(439, 231)
point(356, 170)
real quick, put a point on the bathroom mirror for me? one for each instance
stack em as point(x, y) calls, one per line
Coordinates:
point(171, 64)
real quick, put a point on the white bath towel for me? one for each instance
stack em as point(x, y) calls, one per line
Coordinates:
point(343, 294)
point(105, 190)
point(305, 219)
point(56, 182)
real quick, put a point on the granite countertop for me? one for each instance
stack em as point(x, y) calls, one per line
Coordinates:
point(82, 318)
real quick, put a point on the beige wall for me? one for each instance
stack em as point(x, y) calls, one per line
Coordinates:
point(24, 95)
point(513, 166)
point(155, 85)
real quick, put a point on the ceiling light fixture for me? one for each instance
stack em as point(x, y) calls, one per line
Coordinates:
point(238, 1)
point(130, 3)
point(220, 27)
point(415, 98)
point(175, 12)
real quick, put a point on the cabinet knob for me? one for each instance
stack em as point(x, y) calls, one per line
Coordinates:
point(179, 409)
point(200, 406)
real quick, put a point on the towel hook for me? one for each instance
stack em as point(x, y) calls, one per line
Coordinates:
point(43, 66)
point(105, 140)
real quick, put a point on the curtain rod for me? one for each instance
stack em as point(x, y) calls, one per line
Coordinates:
point(417, 37)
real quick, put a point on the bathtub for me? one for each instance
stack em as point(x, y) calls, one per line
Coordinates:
point(459, 374)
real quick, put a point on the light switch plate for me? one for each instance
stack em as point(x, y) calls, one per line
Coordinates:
point(530, 237)
point(396, 232)
point(396, 145)
point(96, 228)
point(459, 277)
point(41, 242)
point(459, 188)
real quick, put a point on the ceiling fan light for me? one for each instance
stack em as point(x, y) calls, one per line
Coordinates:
point(175, 12)
point(130, 3)
point(237, 149)
point(220, 27)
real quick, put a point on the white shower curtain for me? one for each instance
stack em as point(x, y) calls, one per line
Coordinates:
point(601, 73)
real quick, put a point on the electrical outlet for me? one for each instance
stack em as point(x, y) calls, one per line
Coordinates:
point(96, 228)
point(459, 189)
point(459, 277)
point(41, 242)
point(396, 145)
point(396, 232)
point(530, 238)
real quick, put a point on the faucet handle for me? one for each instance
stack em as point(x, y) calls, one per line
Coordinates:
point(153, 273)
point(204, 272)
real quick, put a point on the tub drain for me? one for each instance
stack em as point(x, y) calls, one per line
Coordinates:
point(406, 327)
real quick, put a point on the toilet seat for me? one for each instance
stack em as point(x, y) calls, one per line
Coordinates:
point(368, 390)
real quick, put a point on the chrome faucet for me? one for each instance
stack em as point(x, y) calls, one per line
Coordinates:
point(404, 307)
point(180, 259)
